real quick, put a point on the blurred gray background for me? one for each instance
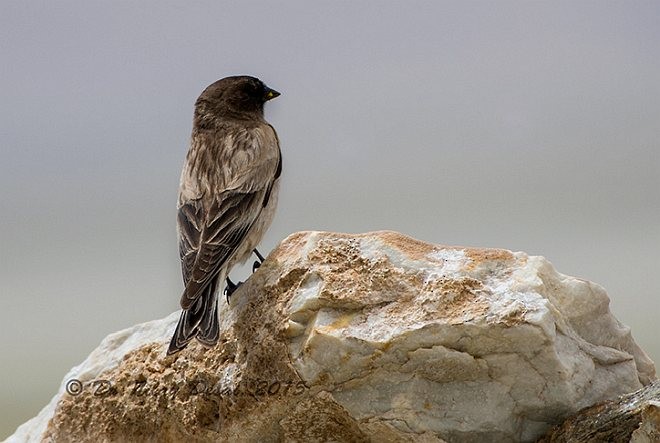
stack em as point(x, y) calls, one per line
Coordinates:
point(528, 126)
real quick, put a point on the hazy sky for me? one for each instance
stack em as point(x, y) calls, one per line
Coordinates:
point(529, 126)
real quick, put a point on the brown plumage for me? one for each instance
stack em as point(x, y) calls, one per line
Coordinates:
point(227, 197)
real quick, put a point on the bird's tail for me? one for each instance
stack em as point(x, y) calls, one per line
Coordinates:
point(199, 321)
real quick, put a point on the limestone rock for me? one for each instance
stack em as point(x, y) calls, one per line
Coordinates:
point(633, 417)
point(371, 337)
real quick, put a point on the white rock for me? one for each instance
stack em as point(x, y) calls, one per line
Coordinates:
point(393, 339)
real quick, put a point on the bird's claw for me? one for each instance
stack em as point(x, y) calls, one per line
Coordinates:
point(258, 262)
point(255, 266)
point(230, 288)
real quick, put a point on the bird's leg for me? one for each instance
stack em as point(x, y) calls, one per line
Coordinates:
point(231, 287)
point(258, 254)
point(258, 262)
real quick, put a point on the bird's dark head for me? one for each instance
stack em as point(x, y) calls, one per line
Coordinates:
point(241, 97)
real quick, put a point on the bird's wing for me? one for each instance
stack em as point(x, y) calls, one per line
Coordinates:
point(209, 236)
point(189, 221)
point(208, 248)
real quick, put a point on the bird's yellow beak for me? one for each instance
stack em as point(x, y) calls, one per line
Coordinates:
point(270, 94)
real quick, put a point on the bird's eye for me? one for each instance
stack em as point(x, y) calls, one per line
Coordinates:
point(244, 95)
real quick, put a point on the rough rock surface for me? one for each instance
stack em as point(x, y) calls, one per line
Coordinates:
point(633, 417)
point(372, 337)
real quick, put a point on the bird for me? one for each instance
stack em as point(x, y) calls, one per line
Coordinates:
point(227, 198)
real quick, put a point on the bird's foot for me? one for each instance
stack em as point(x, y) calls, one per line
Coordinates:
point(230, 288)
point(258, 262)
point(255, 266)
